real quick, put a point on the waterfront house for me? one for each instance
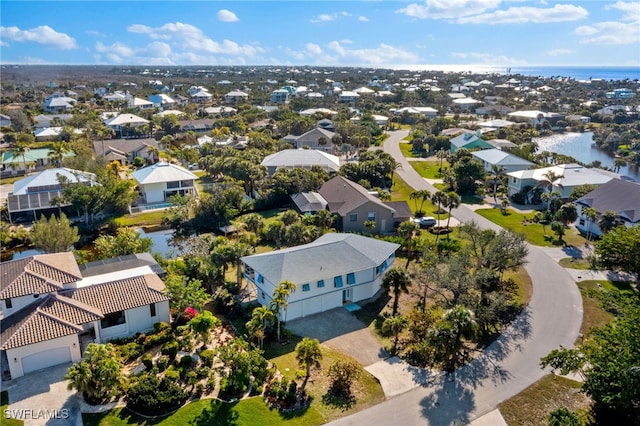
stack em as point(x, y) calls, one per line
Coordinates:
point(619, 196)
point(160, 181)
point(52, 309)
point(505, 161)
point(334, 270)
point(568, 176)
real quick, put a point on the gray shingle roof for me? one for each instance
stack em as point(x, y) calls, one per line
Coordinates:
point(330, 255)
point(344, 196)
point(617, 195)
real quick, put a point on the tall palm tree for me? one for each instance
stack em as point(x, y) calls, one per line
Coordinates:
point(452, 202)
point(421, 195)
point(397, 281)
point(439, 198)
point(308, 355)
point(441, 154)
point(57, 152)
point(496, 178)
point(408, 230)
point(20, 150)
point(280, 301)
point(261, 317)
point(590, 214)
point(154, 153)
point(461, 325)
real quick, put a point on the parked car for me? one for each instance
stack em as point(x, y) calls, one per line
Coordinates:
point(425, 221)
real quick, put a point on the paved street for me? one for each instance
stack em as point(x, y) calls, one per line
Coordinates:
point(510, 364)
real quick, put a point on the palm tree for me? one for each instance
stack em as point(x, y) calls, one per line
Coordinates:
point(154, 153)
point(452, 202)
point(439, 198)
point(308, 355)
point(57, 152)
point(261, 317)
point(408, 230)
point(421, 195)
point(397, 281)
point(394, 325)
point(495, 178)
point(608, 221)
point(567, 213)
point(280, 301)
point(463, 326)
point(441, 154)
point(20, 150)
point(590, 214)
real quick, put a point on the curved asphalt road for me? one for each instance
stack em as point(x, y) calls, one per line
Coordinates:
point(507, 366)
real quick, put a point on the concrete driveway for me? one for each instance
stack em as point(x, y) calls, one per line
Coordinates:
point(341, 330)
point(41, 398)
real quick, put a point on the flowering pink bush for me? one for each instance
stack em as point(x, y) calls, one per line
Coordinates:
point(189, 313)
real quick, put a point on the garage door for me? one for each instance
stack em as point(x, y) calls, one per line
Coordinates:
point(45, 359)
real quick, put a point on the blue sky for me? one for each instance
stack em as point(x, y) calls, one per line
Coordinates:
point(365, 33)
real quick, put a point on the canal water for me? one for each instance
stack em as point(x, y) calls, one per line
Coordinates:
point(582, 147)
point(164, 242)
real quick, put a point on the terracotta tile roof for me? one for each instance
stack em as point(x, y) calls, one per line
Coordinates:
point(43, 320)
point(38, 274)
point(121, 295)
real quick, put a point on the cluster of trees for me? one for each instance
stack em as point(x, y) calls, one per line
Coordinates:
point(463, 298)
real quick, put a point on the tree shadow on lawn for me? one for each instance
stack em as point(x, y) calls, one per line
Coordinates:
point(218, 414)
point(344, 403)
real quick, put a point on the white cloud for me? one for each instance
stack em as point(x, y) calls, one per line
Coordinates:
point(186, 37)
point(43, 35)
point(116, 48)
point(488, 58)
point(611, 32)
point(521, 15)
point(336, 53)
point(326, 17)
point(225, 15)
point(559, 52)
point(363, 19)
point(631, 10)
point(448, 9)
point(620, 32)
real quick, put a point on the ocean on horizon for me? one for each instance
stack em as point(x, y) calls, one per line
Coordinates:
point(574, 72)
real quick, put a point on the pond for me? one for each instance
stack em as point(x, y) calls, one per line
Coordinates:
point(582, 147)
point(164, 242)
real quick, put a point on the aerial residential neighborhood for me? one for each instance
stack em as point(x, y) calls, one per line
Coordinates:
point(156, 240)
point(282, 214)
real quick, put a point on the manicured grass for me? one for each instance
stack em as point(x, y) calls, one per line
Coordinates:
point(141, 219)
point(533, 233)
point(367, 389)
point(593, 314)
point(570, 262)
point(4, 403)
point(13, 179)
point(533, 405)
point(249, 412)
point(406, 149)
point(429, 169)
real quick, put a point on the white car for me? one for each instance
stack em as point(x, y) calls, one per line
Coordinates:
point(425, 221)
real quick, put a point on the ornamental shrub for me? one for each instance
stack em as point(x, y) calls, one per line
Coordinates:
point(170, 349)
point(152, 396)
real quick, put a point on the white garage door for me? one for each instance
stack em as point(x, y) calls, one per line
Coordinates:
point(45, 359)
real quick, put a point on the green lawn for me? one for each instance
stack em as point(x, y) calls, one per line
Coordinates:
point(149, 218)
point(593, 313)
point(532, 406)
point(367, 389)
point(249, 412)
point(4, 403)
point(429, 169)
point(533, 232)
point(406, 149)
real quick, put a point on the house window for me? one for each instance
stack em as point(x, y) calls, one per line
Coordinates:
point(371, 216)
point(173, 184)
point(351, 278)
point(152, 309)
point(305, 287)
point(353, 217)
point(8, 303)
point(337, 281)
point(260, 279)
point(113, 319)
point(320, 283)
point(581, 222)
